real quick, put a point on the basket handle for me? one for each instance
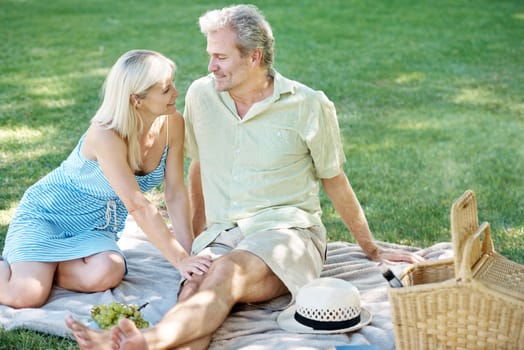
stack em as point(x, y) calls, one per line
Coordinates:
point(464, 221)
point(471, 254)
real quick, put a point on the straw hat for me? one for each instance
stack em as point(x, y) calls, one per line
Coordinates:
point(325, 305)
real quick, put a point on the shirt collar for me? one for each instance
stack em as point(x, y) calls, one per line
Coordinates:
point(281, 85)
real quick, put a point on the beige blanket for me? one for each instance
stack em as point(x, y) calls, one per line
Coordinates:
point(152, 279)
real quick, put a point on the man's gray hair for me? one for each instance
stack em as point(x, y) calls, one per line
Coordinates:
point(252, 29)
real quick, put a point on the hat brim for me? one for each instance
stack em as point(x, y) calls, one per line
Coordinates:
point(286, 321)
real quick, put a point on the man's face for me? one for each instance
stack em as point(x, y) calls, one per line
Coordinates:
point(231, 70)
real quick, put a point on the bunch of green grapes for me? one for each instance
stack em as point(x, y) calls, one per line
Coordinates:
point(108, 315)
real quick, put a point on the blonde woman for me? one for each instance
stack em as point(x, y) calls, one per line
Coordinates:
point(67, 224)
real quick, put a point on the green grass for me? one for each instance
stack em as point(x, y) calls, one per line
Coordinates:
point(429, 97)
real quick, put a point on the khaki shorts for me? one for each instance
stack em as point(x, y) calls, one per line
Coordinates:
point(295, 255)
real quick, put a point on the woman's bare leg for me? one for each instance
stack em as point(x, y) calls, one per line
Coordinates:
point(26, 284)
point(95, 273)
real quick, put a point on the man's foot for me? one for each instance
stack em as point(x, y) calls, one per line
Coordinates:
point(87, 338)
point(127, 336)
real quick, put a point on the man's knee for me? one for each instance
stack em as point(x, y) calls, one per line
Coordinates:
point(226, 271)
point(240, 275)
point(227, 266)
point(223, 270)
point(189, 287)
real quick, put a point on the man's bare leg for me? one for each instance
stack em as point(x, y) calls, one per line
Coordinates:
point(127, 336)
point(88, 338)
point(238, 276)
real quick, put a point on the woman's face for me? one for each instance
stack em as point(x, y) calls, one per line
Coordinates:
point(159, 100)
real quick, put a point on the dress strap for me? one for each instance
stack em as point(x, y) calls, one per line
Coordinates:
point(167, 131)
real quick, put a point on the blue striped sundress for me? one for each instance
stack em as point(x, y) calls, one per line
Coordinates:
point(71, 213)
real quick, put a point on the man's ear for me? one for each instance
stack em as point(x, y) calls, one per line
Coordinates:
point(256, 56)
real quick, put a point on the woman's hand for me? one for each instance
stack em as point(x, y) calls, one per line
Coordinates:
point(194, 265)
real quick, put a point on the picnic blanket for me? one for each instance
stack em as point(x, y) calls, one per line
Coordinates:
point(152, 279)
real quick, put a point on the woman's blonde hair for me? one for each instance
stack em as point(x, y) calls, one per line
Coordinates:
point(134, 73)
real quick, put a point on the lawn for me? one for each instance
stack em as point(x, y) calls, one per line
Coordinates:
point(428, 93)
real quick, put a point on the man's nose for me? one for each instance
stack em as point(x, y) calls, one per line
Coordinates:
point(212, 66)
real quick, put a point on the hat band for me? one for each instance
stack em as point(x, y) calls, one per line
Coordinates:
point(327, 325)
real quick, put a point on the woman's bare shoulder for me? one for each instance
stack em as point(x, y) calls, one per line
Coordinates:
point(98, 139)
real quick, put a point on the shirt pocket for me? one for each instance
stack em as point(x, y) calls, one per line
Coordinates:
point(276, 147)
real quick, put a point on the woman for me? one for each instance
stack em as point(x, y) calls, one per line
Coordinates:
point(67, 224)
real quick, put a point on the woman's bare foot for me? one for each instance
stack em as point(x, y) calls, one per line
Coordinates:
point(126, 336)
point(87, 338)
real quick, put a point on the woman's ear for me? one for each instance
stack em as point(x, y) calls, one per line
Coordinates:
point(134, 100)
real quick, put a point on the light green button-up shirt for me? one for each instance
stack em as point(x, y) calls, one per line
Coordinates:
point(261, 172)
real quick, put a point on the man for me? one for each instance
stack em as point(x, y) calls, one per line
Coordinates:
point(260, 145)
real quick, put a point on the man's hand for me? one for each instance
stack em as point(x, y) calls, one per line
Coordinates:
point(390, 255)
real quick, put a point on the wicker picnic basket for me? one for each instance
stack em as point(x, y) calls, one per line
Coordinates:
point(472, 301)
